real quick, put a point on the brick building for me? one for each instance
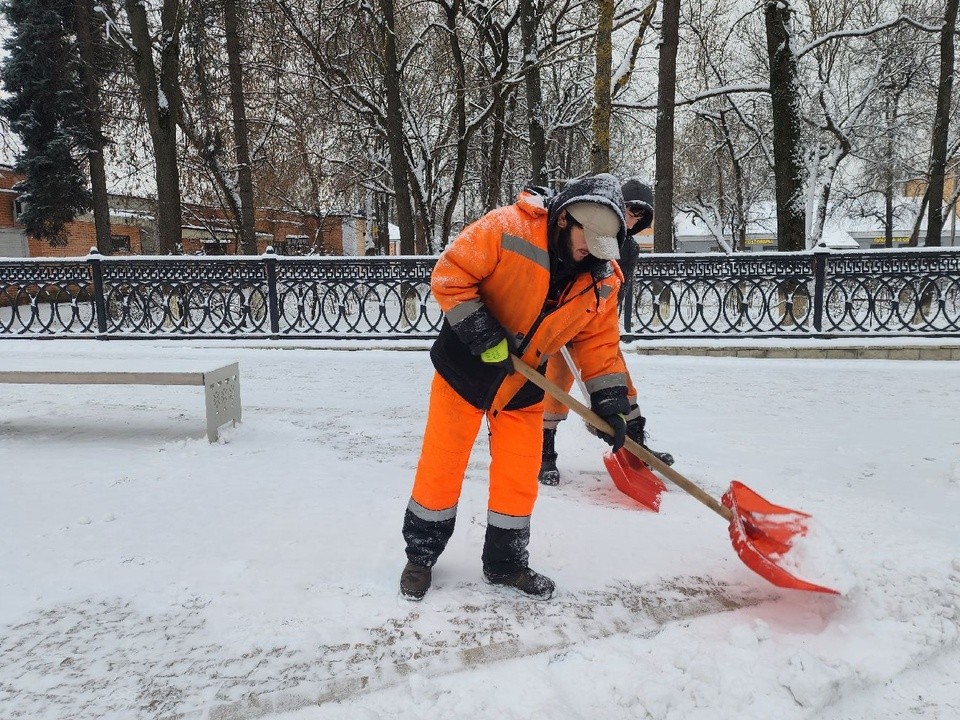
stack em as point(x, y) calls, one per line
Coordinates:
point(13, 240)
point(205, 229)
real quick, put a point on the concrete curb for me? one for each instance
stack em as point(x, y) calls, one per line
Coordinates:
point(861, 352)
point(804, 349)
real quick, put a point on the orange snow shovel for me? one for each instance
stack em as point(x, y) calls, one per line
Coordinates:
point(629, 474)
point(633, 478)
point(762, 533)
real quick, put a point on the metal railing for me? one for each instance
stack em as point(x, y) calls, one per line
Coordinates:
point(820, 293)
point(849, 293)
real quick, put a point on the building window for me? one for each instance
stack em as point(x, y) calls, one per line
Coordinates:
point(297, 245)
point(121, 243)
point(213, 247)
point(19, 208)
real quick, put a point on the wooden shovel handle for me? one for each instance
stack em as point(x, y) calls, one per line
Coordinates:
point(634, 448)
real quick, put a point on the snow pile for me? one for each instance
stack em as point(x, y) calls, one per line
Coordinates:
point(815, 557)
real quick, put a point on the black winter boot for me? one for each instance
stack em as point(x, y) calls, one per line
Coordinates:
point(664, 457)
point(415, 581)
point(636, 431)
point(549, 475)
point(526, 581)
point(505, 559)
point(426, 539)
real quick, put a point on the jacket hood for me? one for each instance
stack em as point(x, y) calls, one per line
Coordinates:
point(603, 189)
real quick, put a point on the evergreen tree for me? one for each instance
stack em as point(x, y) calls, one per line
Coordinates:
point(45, 108)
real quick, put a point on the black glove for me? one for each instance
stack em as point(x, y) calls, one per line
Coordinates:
point(619, 425)
point(499, 355)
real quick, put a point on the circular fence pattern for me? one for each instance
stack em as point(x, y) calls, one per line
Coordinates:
point(850, 293)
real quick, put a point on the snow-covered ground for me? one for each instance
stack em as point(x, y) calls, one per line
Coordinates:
point(148, 574)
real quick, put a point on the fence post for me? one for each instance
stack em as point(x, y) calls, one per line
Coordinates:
point(820, 255)
point(273, 301)
point(99, 297)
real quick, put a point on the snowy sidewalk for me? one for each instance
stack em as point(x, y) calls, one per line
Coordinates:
point(147, 574)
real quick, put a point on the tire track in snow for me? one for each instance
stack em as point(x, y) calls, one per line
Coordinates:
point(108, 658)
point(557, 626)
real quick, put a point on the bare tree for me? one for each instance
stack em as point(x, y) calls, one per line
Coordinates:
point(92, 50)
point(238, 106)
point(787, 153)
point(723, 159)
point(600, 150)
point(529, 22)
point(666, 95)
point(159, 88)
point(938, 145)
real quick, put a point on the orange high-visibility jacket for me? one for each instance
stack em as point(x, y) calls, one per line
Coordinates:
point(501, 263)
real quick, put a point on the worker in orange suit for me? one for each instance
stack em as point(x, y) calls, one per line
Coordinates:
point(524, 280)
point(638, 211)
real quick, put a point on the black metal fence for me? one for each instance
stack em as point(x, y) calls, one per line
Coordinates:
point(820, 293)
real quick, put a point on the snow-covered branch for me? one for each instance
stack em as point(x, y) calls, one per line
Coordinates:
point(863, 32)
point(706, 94)
point(112, 30)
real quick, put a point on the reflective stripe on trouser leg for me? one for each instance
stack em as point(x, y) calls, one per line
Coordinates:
point(559, 374)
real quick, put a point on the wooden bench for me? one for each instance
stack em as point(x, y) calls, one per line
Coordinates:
point(221, 387)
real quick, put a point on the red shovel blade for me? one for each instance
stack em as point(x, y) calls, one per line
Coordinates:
point(762, 533)
point(634, 478)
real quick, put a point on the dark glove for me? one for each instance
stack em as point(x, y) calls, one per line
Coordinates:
point(499, 355)
point(619, 425)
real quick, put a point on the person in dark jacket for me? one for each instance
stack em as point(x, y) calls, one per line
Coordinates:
point(524, 280)
point(638, 212)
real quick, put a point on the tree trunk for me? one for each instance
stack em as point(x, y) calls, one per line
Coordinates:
point(890, 113)
point(248, 238)
point(531, 76)
point(495, 157)
point(915, 233)
point(89, 77)
point(938, 145)
point(381, 211)
point(394, 130)
point(452, 11)
point(161, 103)
point(666, 95)
point(888, 214)
point(600, 150)
point(738, 226)
point(787, 160)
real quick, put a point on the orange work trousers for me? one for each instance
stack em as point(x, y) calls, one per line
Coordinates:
point(516, 438)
